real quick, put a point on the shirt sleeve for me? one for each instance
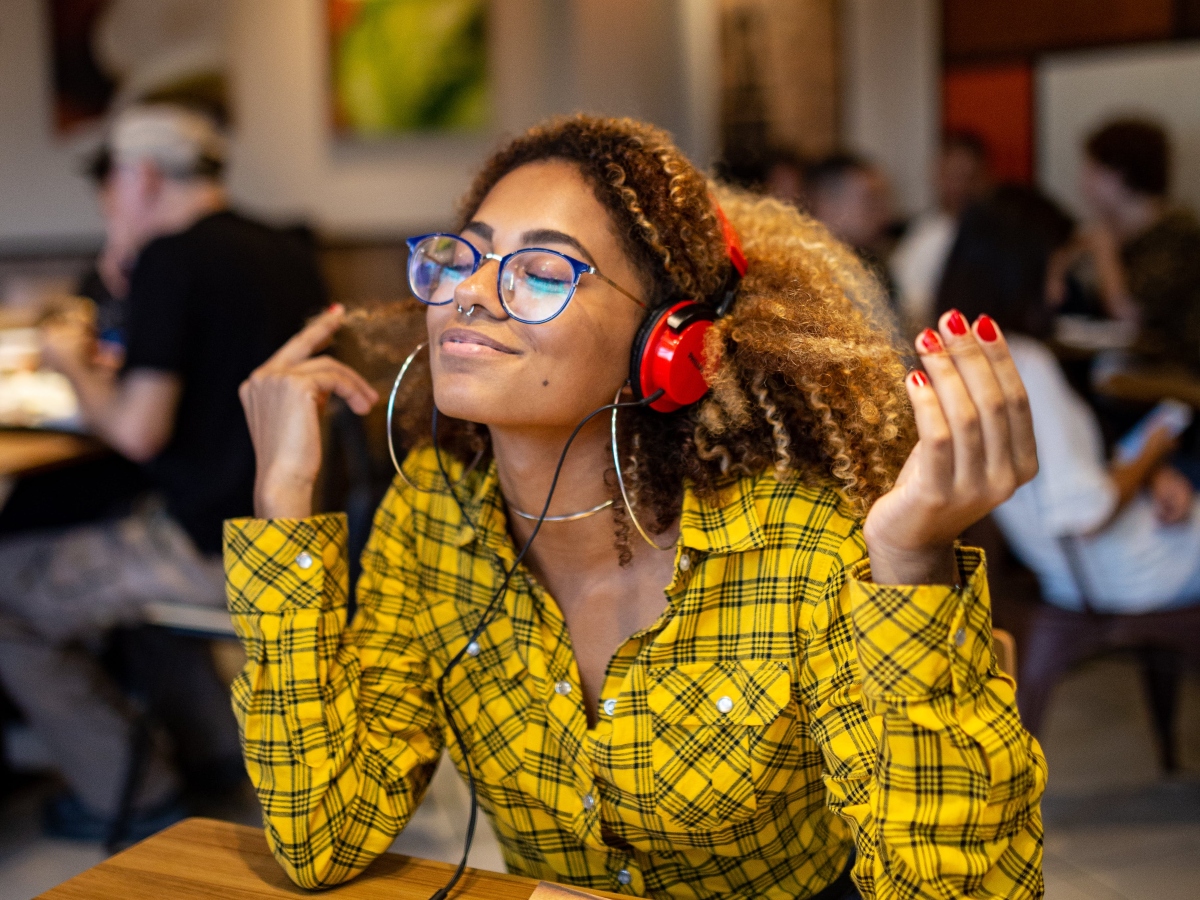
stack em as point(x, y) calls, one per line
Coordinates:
point(924, 753)
point(1073, 492)
point(339, 726)
point(159, 318)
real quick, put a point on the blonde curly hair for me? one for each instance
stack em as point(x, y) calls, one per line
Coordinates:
point(806, 379)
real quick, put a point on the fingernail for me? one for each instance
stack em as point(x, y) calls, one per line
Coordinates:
point(335, 307)
point(956, 323)
point(918, 378)
point(929, 342)
point(985, 328)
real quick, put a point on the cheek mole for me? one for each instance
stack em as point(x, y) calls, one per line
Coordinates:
point(545, 384)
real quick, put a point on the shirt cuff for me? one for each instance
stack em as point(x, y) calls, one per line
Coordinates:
point(275, 565)
point(915, 641)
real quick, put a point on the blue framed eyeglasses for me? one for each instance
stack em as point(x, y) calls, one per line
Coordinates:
point(534, 284)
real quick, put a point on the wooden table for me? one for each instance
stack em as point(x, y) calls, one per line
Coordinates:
point(1149, 384)
point(203, 858)
point(25, 452)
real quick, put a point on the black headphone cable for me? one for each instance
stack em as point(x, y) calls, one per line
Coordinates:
point(444, 892)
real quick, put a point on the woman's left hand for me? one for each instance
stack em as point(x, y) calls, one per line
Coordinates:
point(975, 447)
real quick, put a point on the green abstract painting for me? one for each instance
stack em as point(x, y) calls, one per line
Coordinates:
point(408, 65)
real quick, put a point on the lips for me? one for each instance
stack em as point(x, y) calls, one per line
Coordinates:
point(462, 336)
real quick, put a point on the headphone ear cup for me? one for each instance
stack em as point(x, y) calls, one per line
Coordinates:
point(637, 354)
point(668, 355)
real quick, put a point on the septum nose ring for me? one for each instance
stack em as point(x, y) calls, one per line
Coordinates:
point(470, 312)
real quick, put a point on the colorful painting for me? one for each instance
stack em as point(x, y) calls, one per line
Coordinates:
point(400, 66)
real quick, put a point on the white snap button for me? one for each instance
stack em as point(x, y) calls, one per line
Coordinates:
point(724, 705)
point(960, 636)
point(610, 707)
point(589, 802)
point(304, 561)
point(623, 877)
point(473, 649)
point(685, 563)
point(562, 687)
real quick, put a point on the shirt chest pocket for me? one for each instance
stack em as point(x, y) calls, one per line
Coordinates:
point(718, 737)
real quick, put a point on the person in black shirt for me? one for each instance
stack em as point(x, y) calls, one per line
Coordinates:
point(207, 306)
point(211, 295)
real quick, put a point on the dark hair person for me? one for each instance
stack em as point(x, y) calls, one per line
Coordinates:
point(1146, 253)
point(1130, 525)
point(1135, 150)
point(710, 675)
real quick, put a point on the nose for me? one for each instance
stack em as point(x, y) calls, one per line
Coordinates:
point(479, 291)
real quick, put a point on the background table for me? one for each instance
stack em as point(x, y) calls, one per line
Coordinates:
point(1150, 384)
point(203, 858)
point(23, 452)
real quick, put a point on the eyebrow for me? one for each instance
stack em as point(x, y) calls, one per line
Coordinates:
point(550, 236)
point(480, 228)
point(534, 238)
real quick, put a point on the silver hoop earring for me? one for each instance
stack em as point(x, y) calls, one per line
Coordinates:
point(621, 483)
point(470, 312)
point(391, 406)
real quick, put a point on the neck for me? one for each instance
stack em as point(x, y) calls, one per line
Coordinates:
point(1137, 216)
point(525, 463)
point(186, 202)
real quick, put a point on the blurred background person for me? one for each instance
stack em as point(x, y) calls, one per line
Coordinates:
point(104, 487)
point(961, 177)
point(1145, 252)
point(1132, 524)
point(852, 198)
point(783, 176)
point(210, 295)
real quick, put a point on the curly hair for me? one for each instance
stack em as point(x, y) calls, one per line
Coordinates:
point(806, 380)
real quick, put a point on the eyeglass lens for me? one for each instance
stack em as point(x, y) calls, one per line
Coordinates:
point(535, 285)
point(437, 266)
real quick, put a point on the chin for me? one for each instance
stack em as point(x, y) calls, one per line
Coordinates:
point(471, 398)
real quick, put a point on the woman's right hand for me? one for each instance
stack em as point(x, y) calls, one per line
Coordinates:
point(283, 399)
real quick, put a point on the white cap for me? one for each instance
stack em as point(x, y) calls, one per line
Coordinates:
point(181, 142)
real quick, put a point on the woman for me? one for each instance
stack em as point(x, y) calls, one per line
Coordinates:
point(732, 712)
point(1125, 532)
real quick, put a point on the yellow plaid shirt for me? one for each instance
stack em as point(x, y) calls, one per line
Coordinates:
point(782, 710)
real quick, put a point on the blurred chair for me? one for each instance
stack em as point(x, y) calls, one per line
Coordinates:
point(1054, 641)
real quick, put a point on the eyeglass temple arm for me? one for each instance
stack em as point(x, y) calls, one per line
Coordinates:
point(613, 284)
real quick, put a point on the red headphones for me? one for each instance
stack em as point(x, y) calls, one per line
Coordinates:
point(668, 351)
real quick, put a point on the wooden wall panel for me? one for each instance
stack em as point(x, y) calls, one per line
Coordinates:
point(977, 29)
point(780, 73)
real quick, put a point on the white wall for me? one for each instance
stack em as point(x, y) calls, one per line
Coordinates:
point(891, 100)
point(655, 59)
point(41, 193)
point(1077, 92)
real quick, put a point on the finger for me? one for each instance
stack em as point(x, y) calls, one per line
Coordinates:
point(1016, 400)
point(988, 399)
point(961, 416)
point(321, 363)
point(313, 337)
point(935, 445)
point(339, 378)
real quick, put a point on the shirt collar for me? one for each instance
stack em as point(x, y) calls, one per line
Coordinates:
point(727, 523)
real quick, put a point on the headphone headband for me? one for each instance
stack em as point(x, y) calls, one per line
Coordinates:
point(733, 244)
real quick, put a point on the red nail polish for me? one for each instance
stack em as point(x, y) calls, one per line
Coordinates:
point(956, 323)
point(986, 328)
point(332, 307)
point(918, 378)
point(929, 342)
